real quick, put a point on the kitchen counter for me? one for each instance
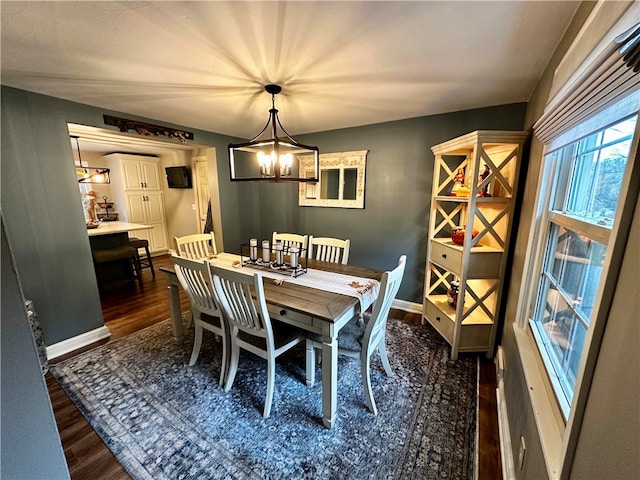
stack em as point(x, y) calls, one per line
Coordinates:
point(108, 228)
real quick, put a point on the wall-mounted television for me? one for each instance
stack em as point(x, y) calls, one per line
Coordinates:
point(178, 177)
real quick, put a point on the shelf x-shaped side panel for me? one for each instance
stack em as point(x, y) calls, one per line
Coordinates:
point(489, 227)
point(479, 300)
point(440, 280)
point(447, 219)
point(446, 175)
point(496, 170)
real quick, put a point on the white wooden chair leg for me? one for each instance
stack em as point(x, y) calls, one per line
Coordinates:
point(271, 378)
point(189, 319)
point(224, 361)
point(310, 363)
point(197, 343)
point(233, 366)
point(366, 383)
point(385, 359)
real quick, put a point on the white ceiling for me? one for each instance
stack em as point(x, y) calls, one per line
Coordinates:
point(341, 64)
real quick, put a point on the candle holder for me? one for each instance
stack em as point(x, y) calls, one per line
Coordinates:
point(253, 249)
point(286, 260)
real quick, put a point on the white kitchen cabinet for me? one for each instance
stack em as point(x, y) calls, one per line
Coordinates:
point(139, 173)
point(135, 185)
point(148, 208)
point(486, 165)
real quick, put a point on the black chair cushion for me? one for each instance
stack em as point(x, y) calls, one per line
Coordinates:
point(138, 242)
point(111, 254)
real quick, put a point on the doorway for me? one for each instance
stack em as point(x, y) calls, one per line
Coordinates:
point(187, 208)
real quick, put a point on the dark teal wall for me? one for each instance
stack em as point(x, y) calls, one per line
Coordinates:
point(42, 213)
point(30, 443)
point(45, 223)
point(397, 197)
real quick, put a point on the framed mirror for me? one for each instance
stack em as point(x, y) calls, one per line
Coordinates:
point(341, 181)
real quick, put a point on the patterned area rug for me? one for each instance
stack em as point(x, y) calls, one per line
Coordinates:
point(165, 420)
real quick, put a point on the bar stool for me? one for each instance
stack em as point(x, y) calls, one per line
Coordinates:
point(138, 243)
point(122, 252)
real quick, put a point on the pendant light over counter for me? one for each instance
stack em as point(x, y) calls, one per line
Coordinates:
point(89, 174)
point(275, 159)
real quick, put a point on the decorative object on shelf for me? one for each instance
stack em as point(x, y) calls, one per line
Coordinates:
point(273, 159)
point(458, 183)
point(484, 191)
point(291, 266)
point(457, 235)
point(89, 206)
point(146, 129)
point(462, 192)
point(452, 294)
point(106, 216)
point(89, 174)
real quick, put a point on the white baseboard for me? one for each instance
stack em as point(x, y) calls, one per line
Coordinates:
point(79, 341)
point(506, 450)
point(407, 306)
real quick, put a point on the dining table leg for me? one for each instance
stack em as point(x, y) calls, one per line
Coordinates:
point(174, 306)
point(329, 379)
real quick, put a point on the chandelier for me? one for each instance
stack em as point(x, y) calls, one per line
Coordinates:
point(90, 174)
point(275, 159)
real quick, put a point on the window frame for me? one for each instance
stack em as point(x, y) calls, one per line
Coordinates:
point(557, 436)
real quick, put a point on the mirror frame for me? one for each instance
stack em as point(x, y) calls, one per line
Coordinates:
point(308, 193)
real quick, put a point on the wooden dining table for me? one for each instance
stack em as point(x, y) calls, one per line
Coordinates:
point(311, 309)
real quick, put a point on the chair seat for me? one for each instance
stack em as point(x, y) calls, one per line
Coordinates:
point(283, 334)
point(138, 242)
point(111, 254)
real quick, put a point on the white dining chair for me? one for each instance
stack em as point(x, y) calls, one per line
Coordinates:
point(250, 326)
point(359, 341)
point(329, 249)
point(196, 246)
point(292, 240)
point(195, 278)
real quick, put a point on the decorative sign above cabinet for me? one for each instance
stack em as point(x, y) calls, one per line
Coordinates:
point(341, 181)
point(147, 129)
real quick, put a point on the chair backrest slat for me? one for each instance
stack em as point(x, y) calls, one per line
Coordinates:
point(292, 240)
point(241, 297)
point(330, 249)
point(196, 246)
point(195, 278)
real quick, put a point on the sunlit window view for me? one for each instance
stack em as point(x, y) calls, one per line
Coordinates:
point(588, 175)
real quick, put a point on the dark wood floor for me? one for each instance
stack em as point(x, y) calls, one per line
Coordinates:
point(129, 308)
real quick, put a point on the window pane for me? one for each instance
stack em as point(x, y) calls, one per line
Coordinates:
point(563, 339)
point(598, 171)
point(584, 189)
point(576, 267)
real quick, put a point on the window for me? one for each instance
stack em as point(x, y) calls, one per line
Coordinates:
point(584, 179)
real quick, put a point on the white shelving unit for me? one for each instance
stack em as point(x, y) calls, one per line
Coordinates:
point(479, 263)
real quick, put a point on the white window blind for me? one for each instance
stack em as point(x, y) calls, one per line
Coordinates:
point(611, 75)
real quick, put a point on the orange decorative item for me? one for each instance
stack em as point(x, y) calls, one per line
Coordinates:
point(462, 192)
point(457, 235)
